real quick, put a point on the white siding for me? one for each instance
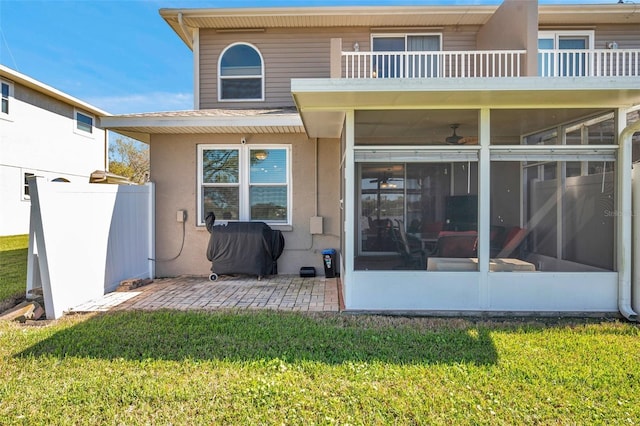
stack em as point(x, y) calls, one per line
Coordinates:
point(38, 137)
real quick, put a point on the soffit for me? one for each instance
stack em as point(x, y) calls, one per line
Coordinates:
point(269, 121)
point(385, 17)
point(585, 14)
point(319, 100)
point(325, 17)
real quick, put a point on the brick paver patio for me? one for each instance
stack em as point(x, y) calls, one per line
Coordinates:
point(278, 292)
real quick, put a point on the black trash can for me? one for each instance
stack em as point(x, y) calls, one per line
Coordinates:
point(329, 262)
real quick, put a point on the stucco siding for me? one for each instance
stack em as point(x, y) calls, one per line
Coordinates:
point(174, 171)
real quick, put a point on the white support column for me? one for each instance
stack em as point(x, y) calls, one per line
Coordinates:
point(152, 228)
point(348, 203)
point(484, 208)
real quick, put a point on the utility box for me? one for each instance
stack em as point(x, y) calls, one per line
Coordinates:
point(315, 225)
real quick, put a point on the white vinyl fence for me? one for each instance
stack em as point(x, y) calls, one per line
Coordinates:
point(84, 239)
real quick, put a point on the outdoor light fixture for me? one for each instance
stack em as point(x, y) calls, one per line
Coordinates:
point(356, 47)
point(261, 155)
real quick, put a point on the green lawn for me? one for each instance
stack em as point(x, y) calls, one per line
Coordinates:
point(13, 266)
point(252, 367)
point(267, 367)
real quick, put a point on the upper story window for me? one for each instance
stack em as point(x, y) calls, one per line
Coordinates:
point(563, 53)
point(84, 123)
point(241, 74)
point(6, 89)
point(25, 185)
point(410, 65)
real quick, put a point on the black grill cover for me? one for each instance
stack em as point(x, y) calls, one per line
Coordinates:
point(244, 248)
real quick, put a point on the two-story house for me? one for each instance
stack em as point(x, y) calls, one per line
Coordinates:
point(460, 158)
point(43, 132)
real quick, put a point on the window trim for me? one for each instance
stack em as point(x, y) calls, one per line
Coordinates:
point(10, 97)
point(557, 34)
point(79, 131)
point(244, 184)
point(262, 74)
point(555, 64)
point(24, 185)
point(405, 36)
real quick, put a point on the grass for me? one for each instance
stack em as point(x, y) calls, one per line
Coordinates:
point(13, 266)
point(263, 367)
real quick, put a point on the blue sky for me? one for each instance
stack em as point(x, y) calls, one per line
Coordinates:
point(120, 55)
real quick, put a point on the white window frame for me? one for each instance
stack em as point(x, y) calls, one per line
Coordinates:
point(406, 36)
point(556, 35)
point(262, 75)
point(79, 131)
point(244, 183)
point(24, 185)
point(6, 115)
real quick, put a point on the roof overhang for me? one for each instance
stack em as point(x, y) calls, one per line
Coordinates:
point(184, 21)
point(26, 81)
point(322, 103)
point(141, 126)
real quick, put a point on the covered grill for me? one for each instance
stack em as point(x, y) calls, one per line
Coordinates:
point(251, 248)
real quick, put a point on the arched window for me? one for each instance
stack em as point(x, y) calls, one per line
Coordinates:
point(240, 74)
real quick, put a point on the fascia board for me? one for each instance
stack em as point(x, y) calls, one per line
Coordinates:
point(24, 80)
point(159, 122)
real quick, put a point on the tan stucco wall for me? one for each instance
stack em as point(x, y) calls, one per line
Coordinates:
point(514, 26)
point(174, 170)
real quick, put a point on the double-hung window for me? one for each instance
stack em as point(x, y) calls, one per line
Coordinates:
point(6, 90)
point(25, 185)
point(241, 74)
point(84, 123)
point(245, 183)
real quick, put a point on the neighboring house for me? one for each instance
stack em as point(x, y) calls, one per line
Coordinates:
point(460, 158)
point(43, 132)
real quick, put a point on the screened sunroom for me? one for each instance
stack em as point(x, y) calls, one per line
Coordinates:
point(482, 195)
point(551, 193)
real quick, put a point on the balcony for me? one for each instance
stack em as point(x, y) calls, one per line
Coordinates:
point(589, 63)
point(490, 63)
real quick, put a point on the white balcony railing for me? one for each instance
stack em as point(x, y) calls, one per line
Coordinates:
point(491, 63)
point(467, 64)
point(589, 63)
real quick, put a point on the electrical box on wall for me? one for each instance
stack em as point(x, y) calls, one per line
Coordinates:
point(181, 215)
point(315, 225)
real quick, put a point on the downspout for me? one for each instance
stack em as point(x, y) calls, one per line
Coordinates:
point(185, 30)
point(624, 278)
point(106, 150)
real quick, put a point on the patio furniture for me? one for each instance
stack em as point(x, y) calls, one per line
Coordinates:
point(413, 255)
point(457, 244)
point(471, 264)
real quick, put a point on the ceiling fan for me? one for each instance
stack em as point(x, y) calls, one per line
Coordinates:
point(385, 181)
point(456, 139)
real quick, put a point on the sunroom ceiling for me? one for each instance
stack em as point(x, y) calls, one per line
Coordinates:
point(320, 100)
